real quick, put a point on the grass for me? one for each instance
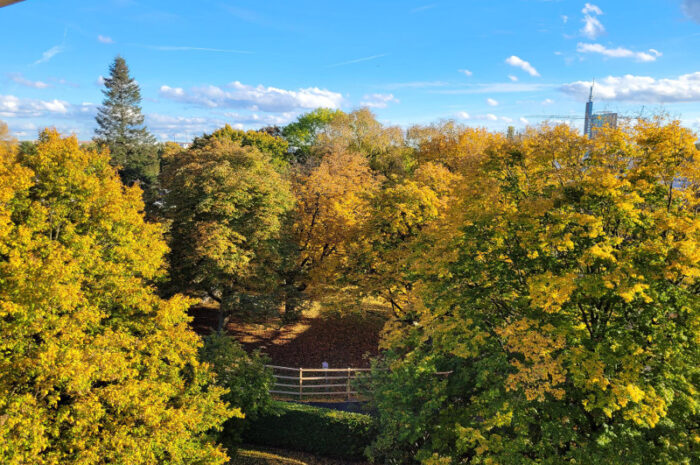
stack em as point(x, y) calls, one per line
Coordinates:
point(270, 456)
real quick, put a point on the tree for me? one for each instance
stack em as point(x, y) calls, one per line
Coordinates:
point(245, 377)
point(567, 319)
point(120, 127)
point(94, 366)
point(226, 203)
point(302, 133)
point(272, 145)
point(380, 262)
point(332, 205)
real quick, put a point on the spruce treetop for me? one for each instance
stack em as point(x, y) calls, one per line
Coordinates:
point(119, 119)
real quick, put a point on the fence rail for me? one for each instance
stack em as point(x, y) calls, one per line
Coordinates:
point(322, 384)
point(327, 384)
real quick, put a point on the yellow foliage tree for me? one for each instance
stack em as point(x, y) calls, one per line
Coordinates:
point(567, 313)
point(94, 367)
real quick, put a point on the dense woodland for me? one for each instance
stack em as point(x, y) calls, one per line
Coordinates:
point(555, 277)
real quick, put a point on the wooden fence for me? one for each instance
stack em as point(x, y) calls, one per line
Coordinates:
point(319, 384)
point(307, 384)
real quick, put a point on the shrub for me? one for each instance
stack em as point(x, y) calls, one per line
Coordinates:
point(316, 430)
point(246, 378)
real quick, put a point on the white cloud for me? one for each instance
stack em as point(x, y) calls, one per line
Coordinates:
point(618, 52)
point(492, 102)
point(181, 128)
point(466, 72)
point(21, 80)
point(547, 101)
point(50, 53)
point(589, 9)
point(463, 115)
point(564, 19)
point(522, 64)
point(15, 107)
point(691, 8)
point(104, 39)
point(378, 100)
point(256, 98)
point(642, 89)
point(513, 78)
point(592, 27)
point(524, 121)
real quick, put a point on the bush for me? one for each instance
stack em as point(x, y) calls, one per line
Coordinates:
point(246, 378)
point(316, 430)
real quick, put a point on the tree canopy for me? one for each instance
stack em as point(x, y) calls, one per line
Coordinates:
point(94, 367)
point(225, 202)
point(563, 305)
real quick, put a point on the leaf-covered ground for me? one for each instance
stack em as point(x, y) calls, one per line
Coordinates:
point(341, 341)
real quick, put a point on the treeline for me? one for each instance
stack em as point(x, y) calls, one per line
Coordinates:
point(554, 277)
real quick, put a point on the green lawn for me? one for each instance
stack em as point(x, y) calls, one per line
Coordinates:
point(268, 456)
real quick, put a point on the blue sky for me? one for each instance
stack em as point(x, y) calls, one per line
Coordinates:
point(250, 64)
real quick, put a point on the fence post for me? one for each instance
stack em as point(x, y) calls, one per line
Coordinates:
point(301, 383)
point(348, 384)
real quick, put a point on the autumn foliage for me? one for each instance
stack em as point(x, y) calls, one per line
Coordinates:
point(562, 297)
point(94, 367)
point(541, 289)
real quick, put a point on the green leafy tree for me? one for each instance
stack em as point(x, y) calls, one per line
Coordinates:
point(120, 127)
point(271, 144)
point(564, 308)
point(302, 134)
point(226, 203)
point(245, 377)
point(94, 367)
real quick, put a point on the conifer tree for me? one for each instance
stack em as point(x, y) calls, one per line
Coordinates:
point(120, 127)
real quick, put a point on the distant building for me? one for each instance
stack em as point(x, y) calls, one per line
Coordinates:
point(600, 120)
point(595, 121)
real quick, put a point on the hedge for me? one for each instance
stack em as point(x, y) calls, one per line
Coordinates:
point(317, 430)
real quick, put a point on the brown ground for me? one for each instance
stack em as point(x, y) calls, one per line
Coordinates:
point(341, 341)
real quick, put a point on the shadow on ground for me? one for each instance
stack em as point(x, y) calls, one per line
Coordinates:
point(341, 341)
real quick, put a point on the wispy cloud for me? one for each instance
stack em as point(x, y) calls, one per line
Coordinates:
point(378, 100)
point(423, 8)
point(358, 60)
point(492, 102)
point(21, 80)
point(50, 53)
point(513, 78)
point(592, 27)
point(619, 52)
point(466, 72)
point(104, 39)
point(522, 64)
point(691, 8)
